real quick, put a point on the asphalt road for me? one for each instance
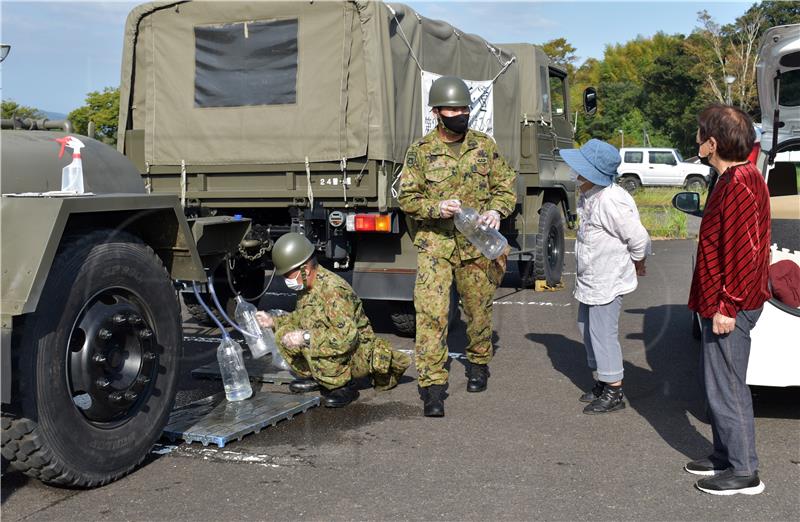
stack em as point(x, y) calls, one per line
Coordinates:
point(521, 450)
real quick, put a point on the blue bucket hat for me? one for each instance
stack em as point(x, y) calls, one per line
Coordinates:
point(596, 161)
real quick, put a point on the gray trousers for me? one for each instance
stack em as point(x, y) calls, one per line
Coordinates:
point(599, 326)
point(730, 405)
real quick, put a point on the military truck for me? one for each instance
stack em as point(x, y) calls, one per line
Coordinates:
point(91, 322)
point(297, 115)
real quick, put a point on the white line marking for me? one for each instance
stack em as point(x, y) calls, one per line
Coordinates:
point(534, 303)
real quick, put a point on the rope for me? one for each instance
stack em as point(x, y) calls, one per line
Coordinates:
point(506, 66)
point(403, 34)
point(310, 191)
point(343, 167)
point(183, 183)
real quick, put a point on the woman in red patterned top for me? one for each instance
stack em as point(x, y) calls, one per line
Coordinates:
point(729, 289)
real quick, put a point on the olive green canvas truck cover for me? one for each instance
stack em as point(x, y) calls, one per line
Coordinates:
point(343, 81)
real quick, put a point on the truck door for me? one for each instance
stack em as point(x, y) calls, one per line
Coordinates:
point(557, 132)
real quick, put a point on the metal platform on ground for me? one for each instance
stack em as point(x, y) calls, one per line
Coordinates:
point(260, 370)
point(214, 420)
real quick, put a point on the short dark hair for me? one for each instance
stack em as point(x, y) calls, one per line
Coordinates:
point(732, 128)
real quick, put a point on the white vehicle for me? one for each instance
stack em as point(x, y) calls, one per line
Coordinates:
point(660, 167)
point(775, 351)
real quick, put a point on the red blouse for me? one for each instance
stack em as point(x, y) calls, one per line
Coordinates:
point(732, 266)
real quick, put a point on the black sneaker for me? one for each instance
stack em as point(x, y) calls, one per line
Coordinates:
point(612, 399)
point(594, 393)
point(706, 466)
point(726, 483)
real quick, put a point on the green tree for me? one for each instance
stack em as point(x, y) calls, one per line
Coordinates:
point(11, 108)
point(103, 109)
point(562, 53)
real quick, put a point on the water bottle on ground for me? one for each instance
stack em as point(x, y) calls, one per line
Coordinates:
point(246, 318)
point(277, 358)
point(234, 374)
point(489, 241)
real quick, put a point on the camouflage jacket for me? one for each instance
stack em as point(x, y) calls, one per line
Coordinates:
point(479, 177)
point(332, 313)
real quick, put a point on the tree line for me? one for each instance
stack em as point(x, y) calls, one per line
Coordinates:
point(650, 90)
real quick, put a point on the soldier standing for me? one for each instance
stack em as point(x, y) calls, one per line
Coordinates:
point(327, 340)
point(450, 167)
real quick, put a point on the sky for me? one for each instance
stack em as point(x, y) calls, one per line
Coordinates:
point(62, 50)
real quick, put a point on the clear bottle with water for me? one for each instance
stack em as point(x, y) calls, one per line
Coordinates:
point(246, 318)
point(234, 374)
point(277, 358)
point(489, 241)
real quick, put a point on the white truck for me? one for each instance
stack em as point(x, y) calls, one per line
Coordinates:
point(660, 167)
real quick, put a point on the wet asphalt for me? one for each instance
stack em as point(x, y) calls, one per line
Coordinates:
point(521, 450)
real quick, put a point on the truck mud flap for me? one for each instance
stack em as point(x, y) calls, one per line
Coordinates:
point(214, 420)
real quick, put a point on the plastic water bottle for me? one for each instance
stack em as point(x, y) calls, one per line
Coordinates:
point(234, 374)
point(489, 241)
point(246, 318)
point(277, 358)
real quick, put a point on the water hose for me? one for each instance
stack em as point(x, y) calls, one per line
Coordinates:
point(235, 292)
point(224, 315)
point(208, 311)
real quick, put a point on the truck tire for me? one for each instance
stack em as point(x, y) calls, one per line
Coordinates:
point(548, 261)
point(404, 318)
point(695, 184)
point(630, 182)
point(96, 368)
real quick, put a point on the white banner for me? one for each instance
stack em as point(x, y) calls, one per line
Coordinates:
point(481, 115)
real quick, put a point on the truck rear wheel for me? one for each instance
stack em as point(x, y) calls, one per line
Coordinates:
point(97, 364)
point(548, 262)
point(404, 318)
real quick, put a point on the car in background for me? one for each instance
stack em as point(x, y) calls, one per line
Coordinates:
point(664, 167)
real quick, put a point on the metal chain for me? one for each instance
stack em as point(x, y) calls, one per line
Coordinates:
point(261, 251)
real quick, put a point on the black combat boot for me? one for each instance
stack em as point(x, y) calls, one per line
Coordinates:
point(338, 397)
point(477, 375)
point(433, 397)
point(612, 399)
point(594, 393)
point(303, 386)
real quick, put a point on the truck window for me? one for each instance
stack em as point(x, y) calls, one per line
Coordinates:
point(662, 158)
point(545, 89)
point(246, 63)
point(557, 95)
point(634, 156)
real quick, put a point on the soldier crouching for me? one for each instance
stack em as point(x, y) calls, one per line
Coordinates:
point(328, 340)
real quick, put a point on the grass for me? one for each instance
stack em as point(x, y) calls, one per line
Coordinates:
point(656, 212)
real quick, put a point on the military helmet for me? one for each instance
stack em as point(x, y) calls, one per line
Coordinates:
point(291, 251)
point(449, 91)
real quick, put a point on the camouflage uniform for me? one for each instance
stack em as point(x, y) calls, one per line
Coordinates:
point(343, 345)
point(481, 179)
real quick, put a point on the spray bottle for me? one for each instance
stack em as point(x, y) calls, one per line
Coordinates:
point(72, 174)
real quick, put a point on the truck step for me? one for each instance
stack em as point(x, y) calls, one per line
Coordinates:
point(214, 420)
point(259, 370)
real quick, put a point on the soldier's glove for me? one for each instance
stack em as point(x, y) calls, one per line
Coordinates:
point(264, 319)
point(293, 339)
point(449, 207)
point(491, 218)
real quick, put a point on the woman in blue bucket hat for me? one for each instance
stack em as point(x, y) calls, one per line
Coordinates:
point(610, 250)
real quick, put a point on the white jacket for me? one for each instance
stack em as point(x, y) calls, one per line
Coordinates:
point(610, 238)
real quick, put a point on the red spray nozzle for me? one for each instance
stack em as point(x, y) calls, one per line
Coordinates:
point(63, 141)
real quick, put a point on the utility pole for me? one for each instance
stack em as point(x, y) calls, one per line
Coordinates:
point(622, 138)
point(729, 79)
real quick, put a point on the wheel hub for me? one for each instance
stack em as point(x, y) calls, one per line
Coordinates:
point(553, 249)
point(113, 357)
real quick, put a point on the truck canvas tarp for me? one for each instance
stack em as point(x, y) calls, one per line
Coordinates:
point(225, 83)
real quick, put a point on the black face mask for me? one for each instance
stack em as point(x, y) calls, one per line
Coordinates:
point(704, 161)
point(458, 124)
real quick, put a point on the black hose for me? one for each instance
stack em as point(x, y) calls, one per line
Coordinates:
point(233, 290)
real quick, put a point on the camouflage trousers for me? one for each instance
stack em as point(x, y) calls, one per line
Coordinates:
point(476, 281)
point(376, 359)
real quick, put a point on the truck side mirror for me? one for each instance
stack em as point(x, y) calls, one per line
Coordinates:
point(688, 202)
point(590, 100)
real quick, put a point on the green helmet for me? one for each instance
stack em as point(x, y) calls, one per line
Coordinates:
point(449, 91)
point(291, 251)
